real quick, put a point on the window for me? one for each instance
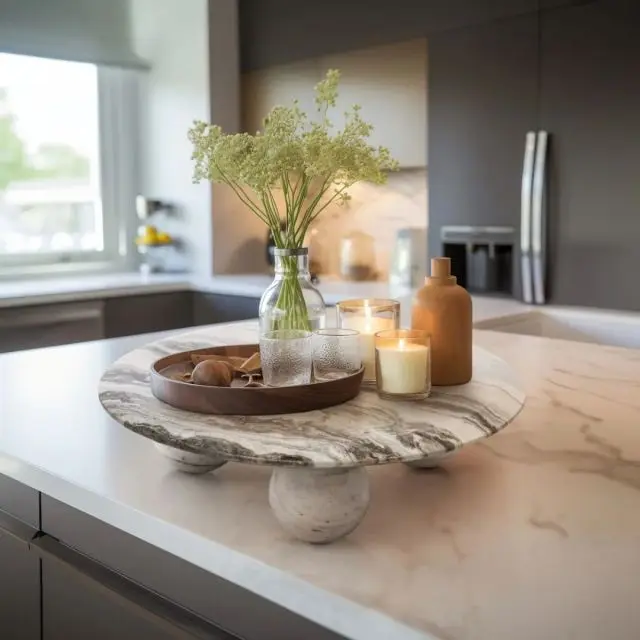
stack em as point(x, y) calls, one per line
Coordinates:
point(59, 196)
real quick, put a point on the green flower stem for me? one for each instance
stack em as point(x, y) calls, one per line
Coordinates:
point(291, 299)
point(292, 152)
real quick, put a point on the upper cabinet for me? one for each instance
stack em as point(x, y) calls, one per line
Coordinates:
point(388, 82)
point(274, 32)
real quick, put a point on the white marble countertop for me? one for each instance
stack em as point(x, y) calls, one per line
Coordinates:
point(534, 533)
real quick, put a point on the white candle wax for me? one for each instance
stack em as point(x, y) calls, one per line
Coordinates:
point(368, 325)
point(403, 367)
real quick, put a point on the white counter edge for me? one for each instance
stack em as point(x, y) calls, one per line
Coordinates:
point(326, 609)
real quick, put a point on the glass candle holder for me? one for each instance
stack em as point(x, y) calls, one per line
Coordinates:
point(403, 364)
point(368, 316)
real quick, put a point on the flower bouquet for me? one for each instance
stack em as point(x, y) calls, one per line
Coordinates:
point(309, 161)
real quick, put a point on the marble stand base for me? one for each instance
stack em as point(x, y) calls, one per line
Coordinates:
point(319, 505)
point(431, 462)
point(189, 462)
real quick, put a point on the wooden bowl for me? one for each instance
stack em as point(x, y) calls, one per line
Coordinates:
point(247, 401)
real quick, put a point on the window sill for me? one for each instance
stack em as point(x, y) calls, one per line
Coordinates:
point(23, 272)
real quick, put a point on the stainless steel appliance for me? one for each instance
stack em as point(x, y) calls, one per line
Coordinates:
point(533, 218)
point(481, 257)
point(491, 259)
point(409, 260)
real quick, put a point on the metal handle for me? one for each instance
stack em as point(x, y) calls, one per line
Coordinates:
point(525, 216)
point(538, 211)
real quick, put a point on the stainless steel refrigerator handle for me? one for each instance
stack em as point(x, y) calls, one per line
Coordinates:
point(538, 222)
point(525, 216)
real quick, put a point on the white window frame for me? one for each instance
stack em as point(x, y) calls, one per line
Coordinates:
point(118, 112)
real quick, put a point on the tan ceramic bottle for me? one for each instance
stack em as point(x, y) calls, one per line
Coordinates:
point(443, 308)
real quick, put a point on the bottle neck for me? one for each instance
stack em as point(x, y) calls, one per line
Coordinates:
point(291, 263)
point(446, 281)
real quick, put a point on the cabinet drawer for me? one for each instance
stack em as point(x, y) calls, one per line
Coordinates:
point(50, 325)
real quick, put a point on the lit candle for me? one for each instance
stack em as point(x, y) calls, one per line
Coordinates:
point(403, 367)
point(368, 326)
point(368, 316)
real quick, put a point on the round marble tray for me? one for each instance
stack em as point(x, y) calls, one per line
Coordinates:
point(319, 455)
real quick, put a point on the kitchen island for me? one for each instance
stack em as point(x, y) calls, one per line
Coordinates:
point(532, 533)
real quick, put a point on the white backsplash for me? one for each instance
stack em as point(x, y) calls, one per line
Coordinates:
point(379, 210)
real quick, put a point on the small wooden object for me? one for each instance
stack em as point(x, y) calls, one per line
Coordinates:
point(214, 373)
point(443, 308)
point(168, 384)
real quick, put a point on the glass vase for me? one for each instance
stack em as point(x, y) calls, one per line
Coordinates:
point(291, 301)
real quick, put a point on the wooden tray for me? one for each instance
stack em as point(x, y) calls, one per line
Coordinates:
point(248, 401)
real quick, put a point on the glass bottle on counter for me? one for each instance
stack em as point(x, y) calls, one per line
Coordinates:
point(358, 257)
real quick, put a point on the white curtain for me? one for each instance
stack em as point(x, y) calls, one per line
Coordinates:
point(96, 31)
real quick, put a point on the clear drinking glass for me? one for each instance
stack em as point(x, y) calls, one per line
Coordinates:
point(285, 356)
point(403, 364)
point(336, 353)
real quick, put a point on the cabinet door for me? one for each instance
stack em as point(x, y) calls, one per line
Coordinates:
point(482, 101)
point(19, 582)
point(129, 315)
point(211, 308)
point(590, 104)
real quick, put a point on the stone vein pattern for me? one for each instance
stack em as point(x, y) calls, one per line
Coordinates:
point(364, 431)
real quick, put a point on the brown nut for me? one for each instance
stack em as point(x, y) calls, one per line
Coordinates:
point(212, 373)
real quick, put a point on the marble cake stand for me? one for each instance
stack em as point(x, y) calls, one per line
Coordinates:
point(319, 489)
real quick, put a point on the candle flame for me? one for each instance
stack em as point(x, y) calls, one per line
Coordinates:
point(367, 317)
point(401, 343)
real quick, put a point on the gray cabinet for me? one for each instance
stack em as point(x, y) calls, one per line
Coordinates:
point(590, 105)
point(32, 327)
point(76, 605)
point(20, 565)
point(129, 315)
point(274, 32)
point(483, 89)
point(211, 308)
point(19, 581)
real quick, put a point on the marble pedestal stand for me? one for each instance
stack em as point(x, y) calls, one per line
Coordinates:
point(195, 463)
point(319, 491)
point(319, 505)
